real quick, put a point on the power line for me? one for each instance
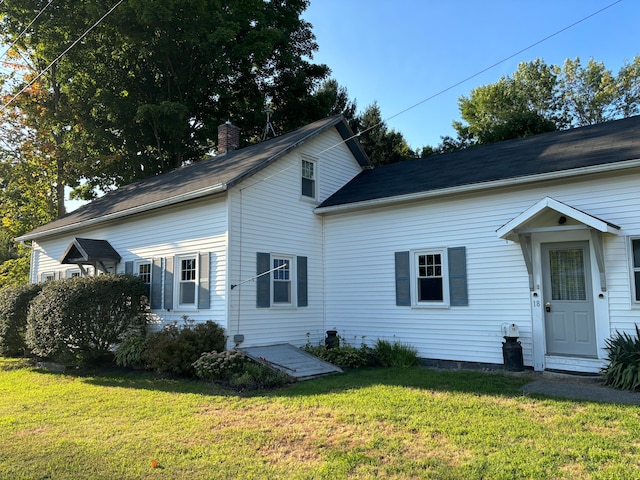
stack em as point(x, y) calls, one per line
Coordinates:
point(4, 107)
point(558, 32)
point(26, 28)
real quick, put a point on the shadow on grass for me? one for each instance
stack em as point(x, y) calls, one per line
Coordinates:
point(479, 383)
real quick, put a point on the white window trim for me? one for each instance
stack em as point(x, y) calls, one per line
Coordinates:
point(314, 161)
point(635, 304)
point(293, 279)
point(69, 273)
point(177, 281)
point(136, 268)
point(47, 276)
point(414, 254)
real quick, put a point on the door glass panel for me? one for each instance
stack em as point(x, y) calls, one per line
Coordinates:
point(567, 274)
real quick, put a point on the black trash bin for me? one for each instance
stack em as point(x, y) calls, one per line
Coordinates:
point(512, 354)
point(332, 340)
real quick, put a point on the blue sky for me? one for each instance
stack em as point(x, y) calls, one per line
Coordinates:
point(400, 52)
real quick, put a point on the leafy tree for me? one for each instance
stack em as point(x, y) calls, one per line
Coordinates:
point(588, 94)
point(540, 98)
point(383, 146)
point(513, 107)
point(145, 90)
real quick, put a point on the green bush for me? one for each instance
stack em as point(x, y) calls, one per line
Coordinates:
point(219, 365)
point(623, 371)
point(257, 376)
point(130, 352)
point(395, 354)
point(344, 356)
point(174, 349)
point(78, 321)
point(14, 306)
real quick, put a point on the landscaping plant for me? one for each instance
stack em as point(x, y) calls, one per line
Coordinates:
point(343, 354)
point(174, 349)
point(79, 320)
point(395, 354)
point(219, 365)
point(238, 371)
point(14, 306)
point(623, 371)
point(130, 352)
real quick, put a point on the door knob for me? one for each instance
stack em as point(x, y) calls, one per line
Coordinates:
point(547, 307)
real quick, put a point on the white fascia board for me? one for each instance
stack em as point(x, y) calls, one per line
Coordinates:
point(508, 230)
point(475, 187)
point(213, 189)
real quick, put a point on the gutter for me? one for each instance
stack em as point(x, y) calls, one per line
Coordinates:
point(476, 187)
point(213, 189)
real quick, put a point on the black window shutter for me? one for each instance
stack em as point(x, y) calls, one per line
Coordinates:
point(203, 285)
point(168, 283)
point(458, 295)
point(128, 268)
point(301, 271)
point(263, 283)
point(155, 295)
point(403, 282)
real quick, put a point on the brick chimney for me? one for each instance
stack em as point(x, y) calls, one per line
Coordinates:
point(228, 137)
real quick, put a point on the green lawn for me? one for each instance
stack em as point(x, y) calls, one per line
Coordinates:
point(398, 423)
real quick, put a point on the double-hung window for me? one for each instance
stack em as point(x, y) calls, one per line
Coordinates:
point(281, 280)
point(47, 276)
point(635, 266)
point(308, 178)
point(430, 277)
point(143, 271)
point(187, 281)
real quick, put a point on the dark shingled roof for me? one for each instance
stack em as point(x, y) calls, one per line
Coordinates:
point(89, 251)
point(199, 179)
point(605, 143)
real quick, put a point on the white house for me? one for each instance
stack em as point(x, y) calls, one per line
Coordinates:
point(441, 253)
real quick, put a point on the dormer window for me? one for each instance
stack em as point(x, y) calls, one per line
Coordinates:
point(308, 178)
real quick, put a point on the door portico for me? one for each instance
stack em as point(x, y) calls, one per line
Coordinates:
point(563, 249)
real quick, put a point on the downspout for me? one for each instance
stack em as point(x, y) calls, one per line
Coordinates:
point(324, 274)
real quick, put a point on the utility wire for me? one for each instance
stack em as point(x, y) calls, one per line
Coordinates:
point(4, 107)
point(558, 32)
point(26, 28)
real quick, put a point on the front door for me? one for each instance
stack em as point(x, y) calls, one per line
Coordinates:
point(568, 300)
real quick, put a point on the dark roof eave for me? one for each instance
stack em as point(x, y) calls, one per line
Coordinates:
point(473, 187)
point(213, 190)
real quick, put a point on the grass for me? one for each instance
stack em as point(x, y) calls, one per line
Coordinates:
point(389, 423)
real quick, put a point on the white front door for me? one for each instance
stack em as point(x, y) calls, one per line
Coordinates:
point(568, 300)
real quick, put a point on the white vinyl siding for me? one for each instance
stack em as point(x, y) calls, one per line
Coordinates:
point(361, 292)
point(267, 216)
point(198, 226)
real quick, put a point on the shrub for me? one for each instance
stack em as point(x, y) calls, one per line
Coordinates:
point(623, 371)
point(395, 354)
point(219, 365)
point(344, 356)
point(78, 321)
point(174, 349)
point(14, 306)
point(130, 352)
point(257, 376)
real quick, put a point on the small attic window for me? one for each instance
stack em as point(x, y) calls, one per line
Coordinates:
point(308, 178)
